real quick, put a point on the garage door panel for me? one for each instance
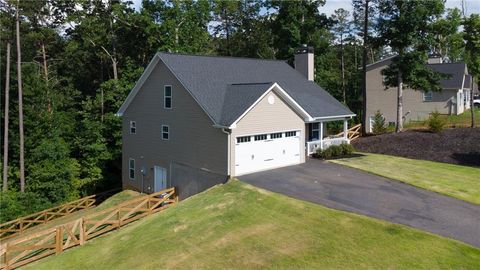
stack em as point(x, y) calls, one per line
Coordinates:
point(265, 154)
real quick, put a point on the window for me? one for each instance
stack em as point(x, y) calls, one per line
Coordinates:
point(165, 132)
point(260, 137)
point(167, 97)
point(243, 139)
point(290, 134)
point(133, 127)
point(427, 96)
point(276, 135)
point(131, 168)
point(315, 131)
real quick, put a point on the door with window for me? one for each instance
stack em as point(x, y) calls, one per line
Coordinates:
point(160, 176)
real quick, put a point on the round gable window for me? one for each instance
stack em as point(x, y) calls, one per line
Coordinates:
point(271, 99)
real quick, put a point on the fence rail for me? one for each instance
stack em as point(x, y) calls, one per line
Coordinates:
point(19, 225)
point(352, 133)
point(30, 248)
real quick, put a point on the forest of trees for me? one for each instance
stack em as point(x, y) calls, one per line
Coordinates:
point(66, 66)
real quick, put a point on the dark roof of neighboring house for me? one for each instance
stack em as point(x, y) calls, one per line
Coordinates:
point(227, 86)
point(468, 81)
point(457, 72)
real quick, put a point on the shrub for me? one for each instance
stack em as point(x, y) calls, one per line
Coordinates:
point(335, 151)
point(435, 122)
point(378, 126)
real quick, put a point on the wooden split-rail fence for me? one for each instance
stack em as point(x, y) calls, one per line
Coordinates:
point(30, 248)
point(19, 225)
point(352, 133)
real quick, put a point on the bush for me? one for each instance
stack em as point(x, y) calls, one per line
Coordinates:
point(335, 151)
point(378, 126)
point(435, 122)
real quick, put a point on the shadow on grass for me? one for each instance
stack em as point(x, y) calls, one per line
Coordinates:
point(467, 159)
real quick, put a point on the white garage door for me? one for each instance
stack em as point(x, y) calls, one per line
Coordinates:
point(266, 151)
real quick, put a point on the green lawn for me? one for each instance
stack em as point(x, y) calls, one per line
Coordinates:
point(461, 120)
point(237, 226)
point(461, 182)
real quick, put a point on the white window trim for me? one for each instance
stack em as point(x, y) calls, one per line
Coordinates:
point(165, 97)
point(316, 129)
point(424, 94)
point(168, 132)
point(130, 129)
point(130, 168)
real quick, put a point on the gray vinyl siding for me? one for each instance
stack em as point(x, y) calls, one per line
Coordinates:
point(193, 140)
point(386, 100)
point(268, 118)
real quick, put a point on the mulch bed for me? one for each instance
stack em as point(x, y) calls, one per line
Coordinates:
point(457, 146)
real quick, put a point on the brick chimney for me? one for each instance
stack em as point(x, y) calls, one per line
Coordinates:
point(304, 61)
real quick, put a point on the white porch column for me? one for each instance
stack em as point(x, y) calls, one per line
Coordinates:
point(321, 135)
point(345, 129)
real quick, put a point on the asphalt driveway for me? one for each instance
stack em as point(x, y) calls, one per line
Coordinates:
point(348, 189)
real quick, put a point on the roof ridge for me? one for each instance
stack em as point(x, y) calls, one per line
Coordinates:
point(223, 56)
point(250, 83)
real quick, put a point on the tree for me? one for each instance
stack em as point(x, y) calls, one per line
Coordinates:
point(20, 100)
point(446, 38)
point(341, 28)
point(405, 26)
point(472, 38)
point(5, 136)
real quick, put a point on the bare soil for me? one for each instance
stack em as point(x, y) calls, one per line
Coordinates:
point(457, 146)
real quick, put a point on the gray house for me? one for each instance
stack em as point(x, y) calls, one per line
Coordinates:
point(418, 105)
point(193, 121)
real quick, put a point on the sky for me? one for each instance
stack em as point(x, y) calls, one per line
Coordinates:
point(473, 6)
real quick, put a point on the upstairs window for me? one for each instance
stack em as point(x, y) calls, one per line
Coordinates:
point(133, 127)
point(427, 96)
point(165, 132)
point(167, 97)
point(131, 168)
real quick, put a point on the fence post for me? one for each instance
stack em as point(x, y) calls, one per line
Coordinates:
point(119, 222)
point(59, 240)
point(7, 265)
point(82, 232)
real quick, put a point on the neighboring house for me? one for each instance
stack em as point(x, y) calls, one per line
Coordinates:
point(193, 121)
point(418, 105)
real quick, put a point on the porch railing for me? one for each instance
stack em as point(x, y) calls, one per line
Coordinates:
point(312, 146)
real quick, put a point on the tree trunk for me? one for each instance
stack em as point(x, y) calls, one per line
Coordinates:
point(364, 70)
point(5, 134)
point(343, 71)
point(472, 106)
point(399, 126)
point(20, 101)
point(45, 73)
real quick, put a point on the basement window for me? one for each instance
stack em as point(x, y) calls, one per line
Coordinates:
point(427, 96)
point(167, 94)
point(165, 132)
point(133, 127)
point(131, 169)
point(243, 139)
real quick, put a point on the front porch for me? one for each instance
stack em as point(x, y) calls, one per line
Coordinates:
point(319, 138)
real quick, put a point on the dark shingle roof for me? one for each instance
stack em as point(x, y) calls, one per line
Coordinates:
point(457, 72)
point(224, 86)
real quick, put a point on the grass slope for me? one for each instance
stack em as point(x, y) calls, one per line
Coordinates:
point(236, 226)
point(461, 120)
point(111, 201)
point(461, 182)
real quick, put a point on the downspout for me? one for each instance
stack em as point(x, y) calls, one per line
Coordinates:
point(229, 149)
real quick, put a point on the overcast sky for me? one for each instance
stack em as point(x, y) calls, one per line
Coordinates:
point(473, 6)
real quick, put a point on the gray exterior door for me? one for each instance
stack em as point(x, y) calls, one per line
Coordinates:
point(160, 179)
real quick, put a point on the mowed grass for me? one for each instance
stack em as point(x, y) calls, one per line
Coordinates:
point(237, 226)
point(461, 182)
point(110, 202)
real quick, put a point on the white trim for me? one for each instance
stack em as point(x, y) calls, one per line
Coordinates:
point(165, 96)
point(130, 168)
point(135, 127)
point(331, 118)
point(168, 132)
point(268, 133)
point(279, 90)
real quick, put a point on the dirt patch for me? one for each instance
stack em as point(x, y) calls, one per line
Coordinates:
point(457, 146)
